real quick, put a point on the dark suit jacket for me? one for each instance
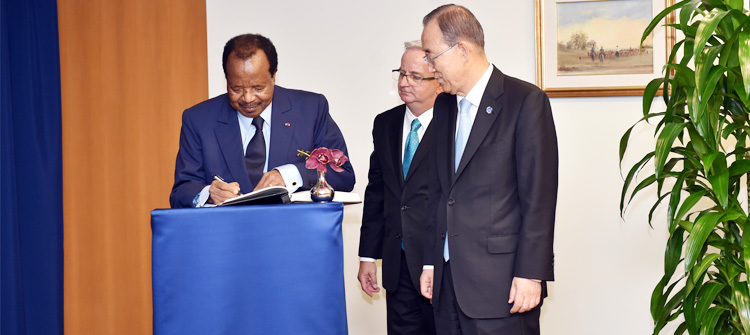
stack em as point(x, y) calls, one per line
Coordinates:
point(395, 208)
point(499, 206)
point(210, 143)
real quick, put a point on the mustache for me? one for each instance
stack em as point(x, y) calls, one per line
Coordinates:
point(249, 104)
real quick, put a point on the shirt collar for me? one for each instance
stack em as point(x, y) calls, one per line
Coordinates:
point(247, 122)
point(424, 119)
point(476, 92)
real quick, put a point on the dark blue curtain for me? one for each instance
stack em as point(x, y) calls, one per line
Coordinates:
point(30, 169)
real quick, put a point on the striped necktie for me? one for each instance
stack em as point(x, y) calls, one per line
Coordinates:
point(412, 142)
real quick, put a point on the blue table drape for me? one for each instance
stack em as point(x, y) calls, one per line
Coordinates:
point(271, 269)
point(31, 215)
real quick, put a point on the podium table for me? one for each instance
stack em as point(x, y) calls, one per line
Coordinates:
point(265, 269)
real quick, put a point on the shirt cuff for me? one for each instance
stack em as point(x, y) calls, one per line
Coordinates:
point(428, 267)
point(291, 175)
point(201, 198)
point(366, 259)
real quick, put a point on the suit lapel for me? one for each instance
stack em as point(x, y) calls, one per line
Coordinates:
point(395, 144)
point(445, 156)
point(484, 120)
point(283, 120)
point(230, 141)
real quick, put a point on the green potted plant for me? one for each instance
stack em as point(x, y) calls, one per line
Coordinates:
point(699, 159)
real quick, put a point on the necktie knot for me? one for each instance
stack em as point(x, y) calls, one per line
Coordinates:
point(258, 123)
point(415, 125)
point(412, 142)
point(465, 106)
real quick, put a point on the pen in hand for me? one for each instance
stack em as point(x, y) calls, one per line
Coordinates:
point(218, 177)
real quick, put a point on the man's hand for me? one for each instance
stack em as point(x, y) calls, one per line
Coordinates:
point(525, 294)
point(221, 191)
point(368, 277)
point(425, 283)
point(270, 178)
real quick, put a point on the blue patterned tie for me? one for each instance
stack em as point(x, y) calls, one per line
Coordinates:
point(464, 128)
point(412, 142)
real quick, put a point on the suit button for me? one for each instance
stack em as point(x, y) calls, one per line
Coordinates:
point(442, 236)
point(451, 202)
point(403, 208)
point(398, 236)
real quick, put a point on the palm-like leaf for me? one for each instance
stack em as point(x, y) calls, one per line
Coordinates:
point(703, 128)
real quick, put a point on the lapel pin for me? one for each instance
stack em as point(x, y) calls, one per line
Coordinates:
point(287, 124)
point(489, 110)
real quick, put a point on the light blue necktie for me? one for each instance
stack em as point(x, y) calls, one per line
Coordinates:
point(412, 142)
point(464, 128)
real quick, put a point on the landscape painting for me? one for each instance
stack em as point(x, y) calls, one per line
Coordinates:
point(603, 37)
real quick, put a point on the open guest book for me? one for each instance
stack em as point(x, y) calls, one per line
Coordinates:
point(280, 195)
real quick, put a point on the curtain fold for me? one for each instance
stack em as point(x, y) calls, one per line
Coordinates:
point(31, 215)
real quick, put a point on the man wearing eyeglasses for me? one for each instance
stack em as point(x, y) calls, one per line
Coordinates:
point(493, 188)
point(394, 214)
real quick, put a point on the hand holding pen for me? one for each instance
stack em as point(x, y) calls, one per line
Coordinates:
point(220, 190)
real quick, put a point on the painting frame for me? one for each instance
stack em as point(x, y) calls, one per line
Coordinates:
point(593, 85)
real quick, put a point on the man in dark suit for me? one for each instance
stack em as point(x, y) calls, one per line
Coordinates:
point(493, 189)
point(250, 136)
point(395, 207)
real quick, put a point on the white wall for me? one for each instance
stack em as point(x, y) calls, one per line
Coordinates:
point(605, 267)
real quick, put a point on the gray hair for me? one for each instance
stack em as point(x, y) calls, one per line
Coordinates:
point(456, 23)
point(415, 44)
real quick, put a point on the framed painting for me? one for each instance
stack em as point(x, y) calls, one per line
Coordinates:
point(592, 47)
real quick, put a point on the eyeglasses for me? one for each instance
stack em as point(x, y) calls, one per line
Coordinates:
point(414, 78)
point(431, 60)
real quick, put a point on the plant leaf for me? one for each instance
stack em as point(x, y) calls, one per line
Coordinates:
point(676, 193)
point(739, 167)
point(631, 174)
point(704, 65)
point(744, 57)
point(719, 179)
point(707, 297)
point(650, 92)
point(685, 13)
point(708, 322)
point(688, 204)
point(746, 246)
point(742, 304)
point(624, 143)
point(673, 252)
point(697, 238)
point(734, 4)
point(696, 274)
point(664, 144)
point(706, 29)
point(643, 184)
point(661, 16)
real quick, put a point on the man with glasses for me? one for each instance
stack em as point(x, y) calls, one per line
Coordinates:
point(394, 214)
point(493, 187)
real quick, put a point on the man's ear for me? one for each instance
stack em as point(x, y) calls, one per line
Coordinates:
point(465, 50)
